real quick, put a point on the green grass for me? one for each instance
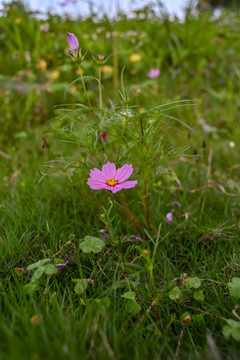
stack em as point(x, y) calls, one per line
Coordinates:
point(48, 216)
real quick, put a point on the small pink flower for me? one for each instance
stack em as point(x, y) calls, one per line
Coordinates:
point(153, 73)
point(169, 218)
point(110, 178)
point(104, 134)
point(72, 41)
point(100, 57)
point(138, 91)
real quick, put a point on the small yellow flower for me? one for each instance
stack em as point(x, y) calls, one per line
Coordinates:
point(18, 20)
point(107, 69)
point(135, 58)
point(146, 254)
point(55, 74)
point(42, 65)
point(73, 88)
point(34, 320)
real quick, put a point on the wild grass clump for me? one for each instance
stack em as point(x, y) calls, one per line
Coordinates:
point(119, 220)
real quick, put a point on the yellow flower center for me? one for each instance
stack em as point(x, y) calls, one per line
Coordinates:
point(112, 182)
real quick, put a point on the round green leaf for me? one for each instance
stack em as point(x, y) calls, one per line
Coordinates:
point(175, 293)
point(50, 269)
point(38, 273)
point(234, 285)
point(193, 282)
point(198, 295)
point(37, 264)
point(30, 288)
point(232, 329)
point(91, 244)
point(132, 307)
point(80, 286)
point(130, 295)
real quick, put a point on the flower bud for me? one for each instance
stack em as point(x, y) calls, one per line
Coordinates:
point(169, 218)
point(72, 41)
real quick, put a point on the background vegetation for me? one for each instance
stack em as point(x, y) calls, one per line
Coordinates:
point(85, 310)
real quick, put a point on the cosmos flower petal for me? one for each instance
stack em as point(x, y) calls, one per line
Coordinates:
point(124, 172)
point(109, 170)
point(97, 174)
point(97, 186)
point(95, 182)
point(128, 184)
point(116, 188)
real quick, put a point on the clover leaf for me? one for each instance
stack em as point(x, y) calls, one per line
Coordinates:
point(91, 244)
point(234, 285)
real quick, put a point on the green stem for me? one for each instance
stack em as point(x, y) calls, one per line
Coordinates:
point(123, 130)
point(115, 60)
point(155, 299)
point(84, 87)
point(90, 105)
point(145, 185)
point(100, 87)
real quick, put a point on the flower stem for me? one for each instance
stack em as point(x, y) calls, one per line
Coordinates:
point(100, 86)
point(123, 130)
point(84, 87)
point(115, 60)
point(128, 211)
point(155, 300)
point(145, 185)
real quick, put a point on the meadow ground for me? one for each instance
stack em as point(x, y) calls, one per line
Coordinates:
point(134, 285)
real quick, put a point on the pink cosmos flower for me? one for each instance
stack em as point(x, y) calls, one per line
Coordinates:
point(110, 178)
point(72, 41)
point(153, 73)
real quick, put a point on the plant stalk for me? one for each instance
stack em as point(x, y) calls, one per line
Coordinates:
point(128, 211)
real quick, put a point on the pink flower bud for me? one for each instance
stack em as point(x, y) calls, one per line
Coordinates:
point(138, 91)
point(169, 218)
point(72, 41)
point(100, 57)
point(104, 134)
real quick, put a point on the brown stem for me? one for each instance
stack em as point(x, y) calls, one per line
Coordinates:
point(128, 211)
point(158, 319)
